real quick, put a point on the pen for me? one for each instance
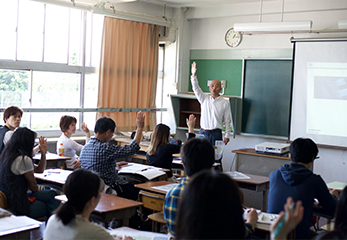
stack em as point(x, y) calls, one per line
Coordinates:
point(144, 169)
point(280, 225)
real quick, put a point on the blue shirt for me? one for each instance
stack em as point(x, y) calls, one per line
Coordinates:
point(296, 181)
point(100, 156)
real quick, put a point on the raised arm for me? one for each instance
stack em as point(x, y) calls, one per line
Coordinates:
point(191, 123)
point(200, 95)
point(288, 220)
point(140, 122)
point(85, 129)
point(43, 149)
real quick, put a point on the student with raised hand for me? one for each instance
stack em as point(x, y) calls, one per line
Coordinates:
point(159, 152)
point(71, 219)
point(68, 127)
point(211, 208)
point(100, 155)
point(296, 180)
point(287, 220)
point(17, 176)
point(340, 228)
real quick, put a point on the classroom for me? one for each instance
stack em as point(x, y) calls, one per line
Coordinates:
point(190, 31)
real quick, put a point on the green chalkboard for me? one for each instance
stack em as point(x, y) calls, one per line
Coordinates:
point(266, 97)
point(229, 70)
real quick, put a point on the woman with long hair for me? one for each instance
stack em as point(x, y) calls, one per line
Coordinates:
point(68, 127)
point(71, 220)
point(17, 176)
point(159, 152)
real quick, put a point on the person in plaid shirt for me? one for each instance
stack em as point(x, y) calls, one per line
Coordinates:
point(100, 155)
point(197, 155)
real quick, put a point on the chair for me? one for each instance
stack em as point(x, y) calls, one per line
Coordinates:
point(154, 202)
point(3, 200)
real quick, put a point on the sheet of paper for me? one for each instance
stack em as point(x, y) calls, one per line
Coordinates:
point(219, 149)
point(13, 222)
point(267, 218)
point(337, 185)
point(237, 175)
point(139, 235)
point(165, 188)
point(147, 171)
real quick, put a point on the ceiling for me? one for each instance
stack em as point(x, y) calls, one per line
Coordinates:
point(179, 3)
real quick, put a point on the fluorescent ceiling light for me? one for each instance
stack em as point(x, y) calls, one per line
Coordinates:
point(272, 26)
point(342, 24)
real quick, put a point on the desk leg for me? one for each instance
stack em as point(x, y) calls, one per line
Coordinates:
point(263, 205)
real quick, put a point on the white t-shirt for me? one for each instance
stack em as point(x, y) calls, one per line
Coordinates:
point(7, 136)
point(78, 228)
point(21, 166)
point(70, 149)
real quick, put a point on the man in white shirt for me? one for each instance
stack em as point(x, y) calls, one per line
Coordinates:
point(215, 110)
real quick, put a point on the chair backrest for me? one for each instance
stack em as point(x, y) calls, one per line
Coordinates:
point(3, 200)
point(152, 200)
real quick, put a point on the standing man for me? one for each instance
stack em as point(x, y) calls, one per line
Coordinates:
point(215, 111)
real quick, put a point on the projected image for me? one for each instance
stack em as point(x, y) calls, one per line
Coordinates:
point(326, 99)
point(330, 87)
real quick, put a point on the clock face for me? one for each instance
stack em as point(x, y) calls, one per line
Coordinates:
point(233, 38)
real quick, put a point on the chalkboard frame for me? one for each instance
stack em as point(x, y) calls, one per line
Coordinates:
point(271, 116)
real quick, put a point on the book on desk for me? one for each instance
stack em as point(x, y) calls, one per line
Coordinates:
point(146, 171)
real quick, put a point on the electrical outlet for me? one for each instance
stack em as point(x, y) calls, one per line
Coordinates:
point(209, 82)
point(223, 84)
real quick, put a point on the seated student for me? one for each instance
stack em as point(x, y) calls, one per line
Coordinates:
point(296, 180)
point(68, 127)
point(71, 219)
point(340, 229)
point(211, 208)
point(17, 175)
point(159, 152)
point(100, 155)
point(197, 155)
point(12, 117)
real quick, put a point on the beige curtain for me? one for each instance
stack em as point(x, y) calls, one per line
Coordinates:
point(128, 71)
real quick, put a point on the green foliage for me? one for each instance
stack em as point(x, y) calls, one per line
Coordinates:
point(15, 81)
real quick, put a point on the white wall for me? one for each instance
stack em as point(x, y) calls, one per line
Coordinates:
point(206, 29)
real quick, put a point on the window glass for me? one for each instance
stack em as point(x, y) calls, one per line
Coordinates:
point(89, 32)
point(50, 121)
point(90, 119)
point(91, 90)
point(8, 22)
point(30, 30)
point(14, 88)
point(56, 34)
point(98, 24)
point(76, 34)
point(55, 90)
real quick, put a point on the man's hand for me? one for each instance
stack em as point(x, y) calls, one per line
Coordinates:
point(76, 164)
point(226, 140)
point(335, 193)
point(140, 120)
point(43, 145)
point(194, 69)
point(191, 123)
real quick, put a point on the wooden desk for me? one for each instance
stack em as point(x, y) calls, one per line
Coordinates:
point(148, 186)
point(258, 184)
point(54, 178)
point(249, 161)
point(17, 227)
point(126, 140)
point(111, 207)
point(53, 160)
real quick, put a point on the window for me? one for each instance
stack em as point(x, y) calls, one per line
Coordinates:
point(46, 70)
